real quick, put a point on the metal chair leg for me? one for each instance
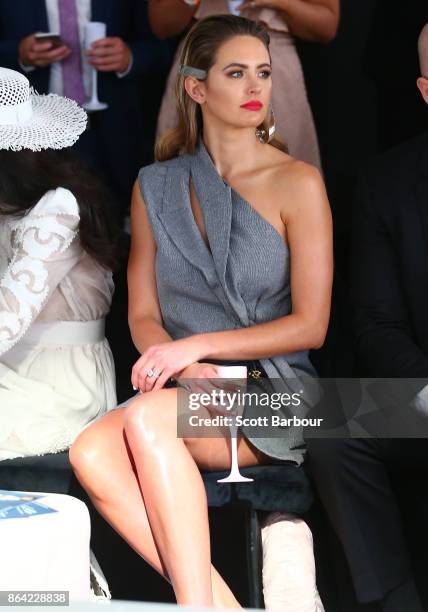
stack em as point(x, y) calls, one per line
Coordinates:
point(254, 559)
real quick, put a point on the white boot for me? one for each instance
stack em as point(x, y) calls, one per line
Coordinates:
point(289, 582)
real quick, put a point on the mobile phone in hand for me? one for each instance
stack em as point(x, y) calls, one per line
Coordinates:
point(54, 39)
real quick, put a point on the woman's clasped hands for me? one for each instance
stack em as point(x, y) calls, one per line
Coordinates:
point(178, 359)
point(175, 359)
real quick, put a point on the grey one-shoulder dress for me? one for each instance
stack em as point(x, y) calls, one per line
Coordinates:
point(242, 280)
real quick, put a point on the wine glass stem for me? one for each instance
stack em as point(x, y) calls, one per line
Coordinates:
point(234, 444)
point(94, 85)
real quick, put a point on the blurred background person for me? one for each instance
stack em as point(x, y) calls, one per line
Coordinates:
point(119, 138)
point(357, 478)
point(361, 91)
point(57, 249)
point(313, 20)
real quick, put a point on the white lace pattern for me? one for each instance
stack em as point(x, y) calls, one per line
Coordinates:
point(42, 250)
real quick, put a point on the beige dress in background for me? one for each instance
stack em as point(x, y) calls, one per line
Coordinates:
point(294, 122)
point(56, 368)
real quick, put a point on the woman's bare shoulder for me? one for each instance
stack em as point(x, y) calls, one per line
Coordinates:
point(288, 168)
point(290, 175)
point(297, 185)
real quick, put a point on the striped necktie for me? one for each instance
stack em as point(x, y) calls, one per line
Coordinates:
point(71, 66)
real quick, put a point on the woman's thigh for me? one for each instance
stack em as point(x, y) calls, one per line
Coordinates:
point(214, 453)
point(158, 409)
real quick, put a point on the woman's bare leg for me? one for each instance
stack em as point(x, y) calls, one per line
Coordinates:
point(173, 490)
point(103, 465)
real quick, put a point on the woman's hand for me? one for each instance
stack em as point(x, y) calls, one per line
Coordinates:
point(161, 361)
point(249, 4)
point(201, 379)
point(311, 20)
point(198, 370)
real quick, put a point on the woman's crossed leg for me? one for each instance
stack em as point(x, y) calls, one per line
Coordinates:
point(146, 482)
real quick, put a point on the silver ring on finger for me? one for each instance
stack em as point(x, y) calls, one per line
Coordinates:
point(150, 373)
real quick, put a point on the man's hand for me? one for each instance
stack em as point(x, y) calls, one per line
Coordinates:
point(40, 54)
point(109, 54)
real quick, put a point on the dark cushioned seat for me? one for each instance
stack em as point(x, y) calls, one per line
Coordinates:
point(280, 487)
point(49, 473)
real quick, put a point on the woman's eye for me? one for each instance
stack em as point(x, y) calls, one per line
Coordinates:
point(236, 74)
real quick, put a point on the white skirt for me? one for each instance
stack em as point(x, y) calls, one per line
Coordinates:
point(54, 383)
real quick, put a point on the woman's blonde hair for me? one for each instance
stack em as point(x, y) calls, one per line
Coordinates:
point(199, 51)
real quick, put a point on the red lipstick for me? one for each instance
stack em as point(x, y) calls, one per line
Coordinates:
point(254, 105)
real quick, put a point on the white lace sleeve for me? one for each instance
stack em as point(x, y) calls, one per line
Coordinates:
point(45, 249)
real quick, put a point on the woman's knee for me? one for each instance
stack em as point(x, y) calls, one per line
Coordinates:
point(148, 418)
point(87, 451)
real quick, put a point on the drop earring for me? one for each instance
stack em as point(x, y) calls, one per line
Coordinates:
point(272, 126)
point(265, 135)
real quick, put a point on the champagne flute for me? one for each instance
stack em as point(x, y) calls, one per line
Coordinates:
point(94, 30)
point(239, 373)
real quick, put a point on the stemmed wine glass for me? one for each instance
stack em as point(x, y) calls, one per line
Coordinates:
point(94, 30)
point(239, 374)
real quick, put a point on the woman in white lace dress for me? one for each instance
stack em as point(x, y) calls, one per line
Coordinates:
point(56, 250)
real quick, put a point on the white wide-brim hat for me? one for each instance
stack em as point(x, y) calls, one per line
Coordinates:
point(32, 121)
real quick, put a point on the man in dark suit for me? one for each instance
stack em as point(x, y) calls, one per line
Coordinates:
point(128, 60)
point(390, 296)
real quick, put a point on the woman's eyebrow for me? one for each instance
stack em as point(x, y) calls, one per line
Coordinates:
point(265, 65)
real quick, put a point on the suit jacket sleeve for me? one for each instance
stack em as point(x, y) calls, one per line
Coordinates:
point(9, 38)
point(8, 50)
point(384, 337)
point(148, 52)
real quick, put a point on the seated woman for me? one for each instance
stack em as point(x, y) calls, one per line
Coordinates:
point(56, 254)
point(285, 20)
point(212, 278)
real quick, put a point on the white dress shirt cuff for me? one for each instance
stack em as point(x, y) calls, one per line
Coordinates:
point(128, 70)
point(26, 68)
